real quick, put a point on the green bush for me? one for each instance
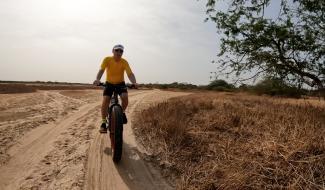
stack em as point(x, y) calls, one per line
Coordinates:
point(175, 85)
point(276, 87)
point(220, 85)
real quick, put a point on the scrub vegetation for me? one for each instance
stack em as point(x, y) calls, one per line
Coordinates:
point(236, 141)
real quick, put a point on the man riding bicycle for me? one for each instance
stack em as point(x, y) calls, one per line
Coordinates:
point(115, 66)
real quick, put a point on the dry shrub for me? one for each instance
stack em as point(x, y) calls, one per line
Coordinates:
point(219, 141)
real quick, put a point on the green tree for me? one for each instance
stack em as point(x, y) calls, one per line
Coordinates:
point(276, 87)
point(219, 85)
point(290, 46)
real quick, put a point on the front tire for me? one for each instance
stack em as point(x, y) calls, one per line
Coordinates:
point(117, 124)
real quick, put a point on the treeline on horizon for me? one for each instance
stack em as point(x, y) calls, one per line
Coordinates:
point(268, 86)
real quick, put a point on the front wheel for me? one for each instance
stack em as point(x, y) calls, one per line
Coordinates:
point(116, 133)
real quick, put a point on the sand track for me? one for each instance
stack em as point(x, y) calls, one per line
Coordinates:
point(63, 149)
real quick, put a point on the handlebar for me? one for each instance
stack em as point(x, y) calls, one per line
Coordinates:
point(131, 86)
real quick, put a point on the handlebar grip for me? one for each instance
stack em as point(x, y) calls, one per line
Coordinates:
point(101, 84)
point(131, 86)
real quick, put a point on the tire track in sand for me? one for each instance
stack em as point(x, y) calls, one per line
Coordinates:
point(33, 148)
point(131, 172)
point(71, 154)
point(30, 112)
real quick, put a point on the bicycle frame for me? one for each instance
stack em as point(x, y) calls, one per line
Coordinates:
point(114, 99)
point(115, 125)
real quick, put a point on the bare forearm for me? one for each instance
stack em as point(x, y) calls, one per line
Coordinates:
point(99, 74)
point(132, 78)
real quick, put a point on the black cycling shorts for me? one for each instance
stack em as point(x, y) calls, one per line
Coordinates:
point(109, 89)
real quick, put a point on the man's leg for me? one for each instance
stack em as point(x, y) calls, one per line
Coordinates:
point(125, 102)
point(105, 105)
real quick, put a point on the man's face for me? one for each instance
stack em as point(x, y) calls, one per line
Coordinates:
point(117, 53)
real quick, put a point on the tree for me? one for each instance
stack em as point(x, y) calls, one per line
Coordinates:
point(221, 85)
point(289, 46)
point(276, 87)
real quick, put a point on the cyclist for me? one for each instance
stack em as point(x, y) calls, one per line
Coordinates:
point(114, 66)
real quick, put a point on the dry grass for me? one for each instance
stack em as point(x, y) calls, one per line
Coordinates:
point(236, 141)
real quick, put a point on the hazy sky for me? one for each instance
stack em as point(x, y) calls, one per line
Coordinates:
point(66, 40)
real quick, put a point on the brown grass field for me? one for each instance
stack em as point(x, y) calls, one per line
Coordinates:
point(236, 141)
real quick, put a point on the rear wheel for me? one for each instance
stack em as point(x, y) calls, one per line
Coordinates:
point(116, 133)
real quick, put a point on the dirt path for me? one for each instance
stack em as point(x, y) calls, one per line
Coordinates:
point(69, 153)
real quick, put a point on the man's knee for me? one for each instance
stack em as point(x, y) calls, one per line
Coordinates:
point(106, 100)
point(124, 97)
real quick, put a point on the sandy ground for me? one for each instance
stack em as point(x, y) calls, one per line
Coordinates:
point(50, 140)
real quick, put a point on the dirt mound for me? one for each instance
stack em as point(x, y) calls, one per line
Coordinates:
point(10, 88)
point(236, 141)
point(64, 87)
point(15, 88)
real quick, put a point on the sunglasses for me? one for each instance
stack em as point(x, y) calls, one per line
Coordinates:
point(118, 51)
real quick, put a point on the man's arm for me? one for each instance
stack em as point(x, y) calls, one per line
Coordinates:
point(99, 75)
point(132, 78)
point(130, 74)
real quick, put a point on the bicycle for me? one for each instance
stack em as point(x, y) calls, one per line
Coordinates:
point(115, 124)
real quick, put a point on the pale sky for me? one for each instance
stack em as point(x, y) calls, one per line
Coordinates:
point(66, 40)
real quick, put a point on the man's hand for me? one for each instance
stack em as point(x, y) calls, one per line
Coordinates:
point(96, 82)
point(136, 85)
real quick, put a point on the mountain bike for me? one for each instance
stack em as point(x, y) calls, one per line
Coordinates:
point(115, 124)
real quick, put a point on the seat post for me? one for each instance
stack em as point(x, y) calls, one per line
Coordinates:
point(115, 97)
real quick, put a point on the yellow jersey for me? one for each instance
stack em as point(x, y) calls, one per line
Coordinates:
point(115, 69)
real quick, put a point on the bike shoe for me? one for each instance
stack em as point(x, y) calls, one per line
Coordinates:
point(125, 120)
point(103, 128)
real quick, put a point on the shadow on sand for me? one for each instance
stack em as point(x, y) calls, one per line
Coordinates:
point(136, 173)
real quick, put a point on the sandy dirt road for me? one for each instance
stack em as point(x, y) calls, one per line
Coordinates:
point(50, 140)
